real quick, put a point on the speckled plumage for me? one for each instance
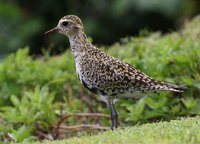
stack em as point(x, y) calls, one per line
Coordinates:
point(105, 75)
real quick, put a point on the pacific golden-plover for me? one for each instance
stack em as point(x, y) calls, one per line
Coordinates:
point(104, 75)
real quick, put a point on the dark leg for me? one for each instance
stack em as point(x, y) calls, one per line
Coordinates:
point(113, 114)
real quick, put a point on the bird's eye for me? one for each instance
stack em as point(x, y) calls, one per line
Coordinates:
point(65, 23)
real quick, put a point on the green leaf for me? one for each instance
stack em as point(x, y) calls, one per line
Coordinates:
point(21, 134)
point(15, 101)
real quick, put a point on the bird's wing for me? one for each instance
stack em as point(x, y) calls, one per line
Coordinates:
point(121, 77)
point(137, 81)
point(112, 76)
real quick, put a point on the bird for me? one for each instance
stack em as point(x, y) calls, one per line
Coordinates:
point(105, 75)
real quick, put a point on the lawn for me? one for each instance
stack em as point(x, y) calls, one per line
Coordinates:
point(183, 131)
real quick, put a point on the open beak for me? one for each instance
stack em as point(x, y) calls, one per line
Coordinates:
point(53, 30)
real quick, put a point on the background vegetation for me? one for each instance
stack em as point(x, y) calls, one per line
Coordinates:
point(41, 98)
point(24, 22)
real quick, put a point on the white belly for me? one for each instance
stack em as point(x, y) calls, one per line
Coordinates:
point(78, 71)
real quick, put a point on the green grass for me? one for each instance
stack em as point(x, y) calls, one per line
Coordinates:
point(184, 131)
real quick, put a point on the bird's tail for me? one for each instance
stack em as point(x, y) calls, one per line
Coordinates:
point(169, 87)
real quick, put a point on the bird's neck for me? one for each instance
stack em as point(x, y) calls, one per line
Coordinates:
point(78, 43)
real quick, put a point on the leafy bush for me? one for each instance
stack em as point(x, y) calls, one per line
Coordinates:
point(31, 111)
point(33, 91)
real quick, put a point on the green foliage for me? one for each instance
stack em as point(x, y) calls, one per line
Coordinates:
point(35, 109)
point(33, 90)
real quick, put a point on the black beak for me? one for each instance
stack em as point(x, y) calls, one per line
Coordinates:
point(53, 30)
